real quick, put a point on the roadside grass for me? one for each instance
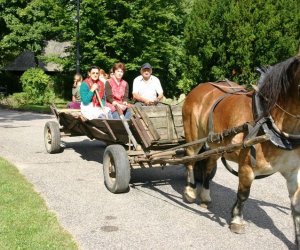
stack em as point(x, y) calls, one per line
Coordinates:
point(45, 109)
point(25, 222)
point(17, 101)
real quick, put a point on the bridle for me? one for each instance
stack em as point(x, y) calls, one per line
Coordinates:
point(288, 113)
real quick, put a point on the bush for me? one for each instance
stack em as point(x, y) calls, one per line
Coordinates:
point(38, 86)
point(16, 100)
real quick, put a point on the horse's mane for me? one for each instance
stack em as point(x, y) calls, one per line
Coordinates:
point(274, 83)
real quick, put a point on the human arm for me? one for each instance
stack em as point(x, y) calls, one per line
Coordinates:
point(136, 91)
point(126, 93)
point(159, 90)
point(139, 98)
point(86, 93)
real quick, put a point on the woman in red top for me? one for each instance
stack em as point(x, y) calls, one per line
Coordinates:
point(117, 92)
point(91, 108)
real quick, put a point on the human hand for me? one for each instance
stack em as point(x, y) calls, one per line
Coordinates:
point(148, 102)
point(156, 101)
point(122, 106)
point(94, 87)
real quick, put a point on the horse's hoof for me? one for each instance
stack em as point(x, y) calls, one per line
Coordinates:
point(237, 228)
point(187, 198)
point(205, 204)
point(189, 195)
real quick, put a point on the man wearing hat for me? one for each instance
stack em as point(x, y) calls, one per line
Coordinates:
point(147, 89)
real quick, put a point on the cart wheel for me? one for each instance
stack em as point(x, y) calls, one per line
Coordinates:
point(116, 169)
point(52, 137)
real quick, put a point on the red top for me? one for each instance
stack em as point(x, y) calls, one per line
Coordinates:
point(90, 82)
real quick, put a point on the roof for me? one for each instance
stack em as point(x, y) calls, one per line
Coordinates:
point(26, 60)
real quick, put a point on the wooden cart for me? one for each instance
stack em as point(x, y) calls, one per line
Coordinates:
point(152, 137)
point(130, 142)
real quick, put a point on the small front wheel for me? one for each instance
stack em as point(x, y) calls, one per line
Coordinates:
point(52, 137)
point(116, 169)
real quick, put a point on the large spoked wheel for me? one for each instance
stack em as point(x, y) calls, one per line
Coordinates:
point(116, 169)
point(52, 137)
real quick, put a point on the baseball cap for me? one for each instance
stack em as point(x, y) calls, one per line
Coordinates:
point(146, 66)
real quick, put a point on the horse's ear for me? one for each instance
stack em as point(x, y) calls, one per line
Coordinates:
point(262, 71)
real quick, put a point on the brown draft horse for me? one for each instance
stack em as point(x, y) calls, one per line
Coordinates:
point(278, 89)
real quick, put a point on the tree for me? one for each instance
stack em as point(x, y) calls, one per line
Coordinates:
point(129, 31)
point(133, 32)
point(229, 39)
point(28, 24)
point(8, 8)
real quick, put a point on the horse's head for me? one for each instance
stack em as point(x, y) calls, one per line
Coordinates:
point(280, 82)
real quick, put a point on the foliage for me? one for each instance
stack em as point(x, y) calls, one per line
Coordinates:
point(25, 222)
point(186, 41)
point(230, 38)
point(16, 100)
point(27, 24)
point(132, 32)
point(37, 86)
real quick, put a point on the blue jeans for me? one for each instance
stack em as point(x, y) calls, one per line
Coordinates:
point(127, 114)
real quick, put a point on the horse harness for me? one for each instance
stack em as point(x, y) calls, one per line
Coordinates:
point(262, 124)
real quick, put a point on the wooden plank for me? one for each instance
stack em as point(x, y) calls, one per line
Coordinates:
point(159, 122)
point(178, 121)
point(169, 124)
point(148, 123)
point(180, 132)
point(176, 110)
point(110, 130)
point(114, 126)
point(145, 140)
point(70, 111)
point(163, 133)
point(155, 111)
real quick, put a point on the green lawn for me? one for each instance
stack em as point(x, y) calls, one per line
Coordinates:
point(25, 222)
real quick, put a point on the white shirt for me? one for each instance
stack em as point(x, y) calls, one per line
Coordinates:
point(147, 89)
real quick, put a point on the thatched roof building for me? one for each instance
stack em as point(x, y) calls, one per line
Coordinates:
point(26, 59)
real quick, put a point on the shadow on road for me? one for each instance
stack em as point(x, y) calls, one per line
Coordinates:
point(223, 198)
point(89, 150)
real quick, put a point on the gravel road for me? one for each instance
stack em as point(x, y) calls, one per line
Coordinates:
point(152, 214)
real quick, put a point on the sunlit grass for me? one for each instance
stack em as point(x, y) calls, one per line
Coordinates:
point(25, 222)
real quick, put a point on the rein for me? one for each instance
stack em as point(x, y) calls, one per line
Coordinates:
point(288, 113)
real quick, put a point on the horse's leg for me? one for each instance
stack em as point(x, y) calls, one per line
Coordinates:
point(295, 204)
point(204, 192)
point(189, 193)
point(246, 177)
point(190, 123)
point(294, 194)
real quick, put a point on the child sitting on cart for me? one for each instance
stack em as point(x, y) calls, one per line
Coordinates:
point(92, 96)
